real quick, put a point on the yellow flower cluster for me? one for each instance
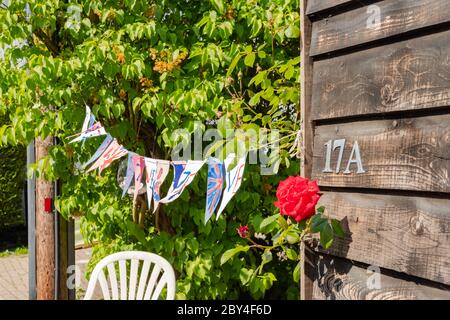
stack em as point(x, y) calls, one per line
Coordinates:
point(162, 66)
point(120, 56)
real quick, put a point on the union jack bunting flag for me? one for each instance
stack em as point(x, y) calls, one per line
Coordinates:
point(99, 151)
point(216, 169)
point(150, 176)
point(113, 152)
point(184, 173)
point(138, 165)
point(95, 130)
point(233, 180)
point(162, 169)
point(89, 120)
point(129, 174)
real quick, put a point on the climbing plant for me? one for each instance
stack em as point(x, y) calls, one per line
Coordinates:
point(148, 68)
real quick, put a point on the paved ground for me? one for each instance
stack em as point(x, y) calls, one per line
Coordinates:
point(14, 275)
point(14, 278)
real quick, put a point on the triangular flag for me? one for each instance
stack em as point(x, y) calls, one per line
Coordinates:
point(99, 151)
point(150, 176)
point(184, 174)
point(138, 165)
point(162, 169)
point(113, 152)
point(216, 170)
point(233, 180)
point(95, 130)
point(89, 120)
point(128, 175)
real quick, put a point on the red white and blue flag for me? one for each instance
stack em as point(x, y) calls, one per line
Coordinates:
point(156, 173)
point(233, 180)
point(138, 166)
point(216, 169)
point(99, 151)
point(113, 152)
point(184, 174)
point(94, 131)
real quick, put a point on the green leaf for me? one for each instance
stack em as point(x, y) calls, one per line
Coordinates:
point(268, 221)
point(292, 236)
point(291, 254)
point(250, 59)
point(233, 64)
point(245, 275)
point(296, 273)
point(179, 244)
point(282, 222)
point(227, 255)
point(337, 228)
point(134, 230)
point(267, 256)
point(292, 31)
point(192, 245)
point(318, 223)
point(255, 99)
point(289, 73)
point(326, 236)
point(320, 210)
point(218, 5)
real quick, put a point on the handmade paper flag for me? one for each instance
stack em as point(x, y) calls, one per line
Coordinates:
point(95, 130)
point(150, 176)
point(216, 170)
point(99, 151)
point(89, 120)
point(113, 152)
point(138, 165)
point(233, 179)
point(129, 174)
point(184, 174)
point(162, 169)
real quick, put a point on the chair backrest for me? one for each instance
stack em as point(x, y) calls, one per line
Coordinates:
point(140, 285)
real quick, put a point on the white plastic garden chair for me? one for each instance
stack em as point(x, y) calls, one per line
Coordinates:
point(139, 288)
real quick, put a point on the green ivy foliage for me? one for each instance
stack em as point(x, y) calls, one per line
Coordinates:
point(12, 177)
point(148, 68)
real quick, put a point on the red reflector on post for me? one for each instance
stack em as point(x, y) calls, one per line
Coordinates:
point(48, 205)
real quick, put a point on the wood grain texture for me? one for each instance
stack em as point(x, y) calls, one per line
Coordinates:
point(306, 95)
point(320, 5)
point(306, 123)
point(405, 234)
point(351, 28)
point(407, 75)
point(338, 279)
point(45, 231)
point(403, 154)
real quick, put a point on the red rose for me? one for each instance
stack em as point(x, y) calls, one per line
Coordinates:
point(243, 231)
point(297, 197)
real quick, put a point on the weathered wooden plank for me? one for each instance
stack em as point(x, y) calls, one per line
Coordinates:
point(306, 123)
point(320, 5)
point(338, 279)
point(407, 75)
point(403, 154)
point(378, 21)
point(405, 234)
point(306, 96)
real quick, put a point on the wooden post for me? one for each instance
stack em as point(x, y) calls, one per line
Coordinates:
point(306, 127)
point(45, 231)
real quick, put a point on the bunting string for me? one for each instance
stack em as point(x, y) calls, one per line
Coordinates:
point(222, 181)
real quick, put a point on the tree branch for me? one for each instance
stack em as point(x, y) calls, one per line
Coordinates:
point(47, 41)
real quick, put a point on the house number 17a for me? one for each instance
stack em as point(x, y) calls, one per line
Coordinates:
point(355, 156)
